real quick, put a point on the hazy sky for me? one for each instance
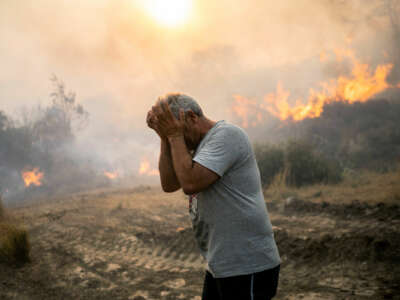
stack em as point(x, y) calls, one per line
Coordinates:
point(118, 59)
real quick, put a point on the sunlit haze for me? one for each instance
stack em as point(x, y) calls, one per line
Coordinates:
point(169, 13)
point(252, 63)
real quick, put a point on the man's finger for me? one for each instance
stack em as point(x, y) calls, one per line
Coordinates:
point(160, 104)
point(164, 105)
point(167, 110)
point(157, 110)
point(149, 115)
point(181, 115)
point(162, 115)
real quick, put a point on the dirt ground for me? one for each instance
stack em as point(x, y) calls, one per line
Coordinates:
point(137, 244)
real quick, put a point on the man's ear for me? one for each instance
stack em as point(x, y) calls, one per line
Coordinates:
point(191, 116)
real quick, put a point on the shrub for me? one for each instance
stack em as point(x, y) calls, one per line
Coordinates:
point(270, 160)
point(1, 209)
point(279, 190)
point(298, 161)
point(306, 167)
point(363, 135)
point(14, 244)
point(396, 188)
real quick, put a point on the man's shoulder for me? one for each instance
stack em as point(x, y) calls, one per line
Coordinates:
point(227, 128)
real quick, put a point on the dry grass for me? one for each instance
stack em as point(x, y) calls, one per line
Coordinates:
point(362, 186)
point(278, 190)
point(396, 187)
point(14, 243)
point(2, 212)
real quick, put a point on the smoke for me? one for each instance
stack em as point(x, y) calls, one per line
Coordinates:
point(118, 61)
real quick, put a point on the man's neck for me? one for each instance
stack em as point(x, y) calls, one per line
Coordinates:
point(206, 126)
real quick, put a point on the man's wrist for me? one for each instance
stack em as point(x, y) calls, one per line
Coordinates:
point(164, 140)
point(175, 136)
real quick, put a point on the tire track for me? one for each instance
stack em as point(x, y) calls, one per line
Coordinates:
point(114, 259)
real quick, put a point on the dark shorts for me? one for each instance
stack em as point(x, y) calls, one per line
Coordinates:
point(257, 286)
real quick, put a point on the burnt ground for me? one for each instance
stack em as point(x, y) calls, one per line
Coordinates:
point(138, 244)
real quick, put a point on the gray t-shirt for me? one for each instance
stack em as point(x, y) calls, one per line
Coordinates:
point(230, 218)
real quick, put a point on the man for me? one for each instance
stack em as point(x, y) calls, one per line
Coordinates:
point(213, 162)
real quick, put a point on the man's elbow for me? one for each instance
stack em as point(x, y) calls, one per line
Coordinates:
point(190, 189)
point(170, 189)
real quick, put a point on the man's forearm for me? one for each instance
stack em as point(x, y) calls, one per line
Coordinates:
point(169, 180)
point(182, 161)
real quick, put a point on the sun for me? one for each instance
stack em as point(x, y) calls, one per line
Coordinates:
point(169, 12)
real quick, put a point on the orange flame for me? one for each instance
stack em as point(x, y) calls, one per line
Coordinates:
point(145, 169)
point(32, 177)
point(323, 56)
point(360, 86)
point(111, 175)
point(364, 84)
point(277, 104)
point(342, 53)
point(246, 108)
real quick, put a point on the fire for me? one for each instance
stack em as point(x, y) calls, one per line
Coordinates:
point(278, 105)
point(145, 169)
point(111, 175)
point(342, 53)
point(32, 177)
point(363, 84)
point(323, 56)
point(246, 108)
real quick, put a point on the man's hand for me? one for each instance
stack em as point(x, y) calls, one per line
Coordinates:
point(165, 122)
point(153, 124)
point(169, 182)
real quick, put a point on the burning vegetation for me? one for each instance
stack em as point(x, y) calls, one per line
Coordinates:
point(111, 175)
point(145, 168)
point(32, 177)
point(349, 122)
point(39, 152)
point(363, 84)
point(33, 149)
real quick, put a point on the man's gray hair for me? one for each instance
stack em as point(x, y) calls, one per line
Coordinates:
point(177, 101)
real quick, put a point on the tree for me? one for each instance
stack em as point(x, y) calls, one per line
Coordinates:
point(58, 122)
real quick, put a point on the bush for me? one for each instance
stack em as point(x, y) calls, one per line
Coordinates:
point(14, 244)
point(306, 167)
point(270, 160)
point(1, 209)
point(396, 188)
point(298, 161)
point(362, 135)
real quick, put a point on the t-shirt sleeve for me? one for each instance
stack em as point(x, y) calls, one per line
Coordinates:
point(221, 151)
